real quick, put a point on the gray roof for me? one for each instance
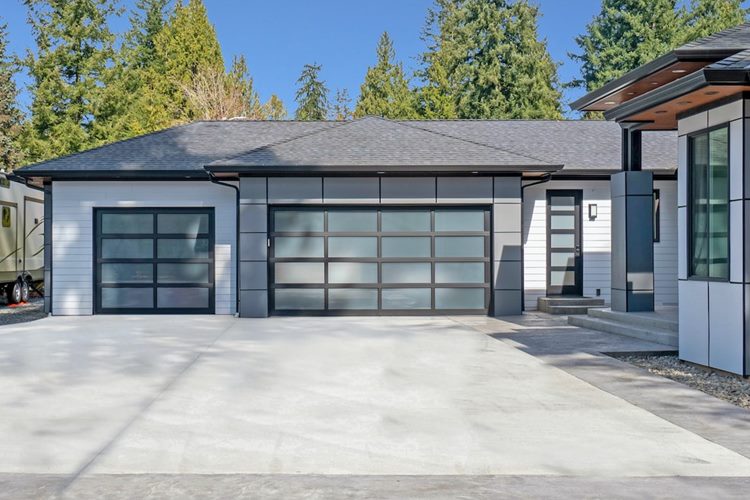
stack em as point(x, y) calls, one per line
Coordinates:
point(588, 145)
point(732, 39)
point(377, 142)
point(583, 146)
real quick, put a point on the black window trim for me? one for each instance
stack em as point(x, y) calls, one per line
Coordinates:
point(657, 215)
point(689, 189)
point(156, 236)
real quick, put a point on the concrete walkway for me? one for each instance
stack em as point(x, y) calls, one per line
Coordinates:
point(142, 401)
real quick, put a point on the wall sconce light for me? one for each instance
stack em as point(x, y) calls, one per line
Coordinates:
point(593, 211)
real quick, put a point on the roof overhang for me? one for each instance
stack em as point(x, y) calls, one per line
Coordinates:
point(380, 169)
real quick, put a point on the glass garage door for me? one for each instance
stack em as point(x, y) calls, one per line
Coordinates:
point(379, 261)
point(157, 261)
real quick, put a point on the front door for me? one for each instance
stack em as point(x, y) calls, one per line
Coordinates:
point(564, 257)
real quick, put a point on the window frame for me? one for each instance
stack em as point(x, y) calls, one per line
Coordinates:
point(657, 215)
point(690, 204)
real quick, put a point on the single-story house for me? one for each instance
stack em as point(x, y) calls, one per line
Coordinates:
point(370, 216)
point(700, 90)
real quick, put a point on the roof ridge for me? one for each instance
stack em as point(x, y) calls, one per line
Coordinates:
point(101, 146)
point(478, 143)
point(334, 124)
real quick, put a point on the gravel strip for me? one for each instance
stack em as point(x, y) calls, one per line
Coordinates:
point(735, 390)
point(32, 310)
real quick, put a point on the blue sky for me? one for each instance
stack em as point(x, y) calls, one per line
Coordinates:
point(279, 36)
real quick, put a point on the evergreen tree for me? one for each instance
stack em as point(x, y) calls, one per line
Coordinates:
point(706, 17)
point(312, 94)
point(129, 93)
point(341, 106)
point(184, 47)
point(10, 116)
point(385, 91)
point(624, 35)
point(74, 49)
point(485, 59)
point(275, 109)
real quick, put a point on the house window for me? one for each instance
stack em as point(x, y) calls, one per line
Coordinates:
point(657, 215)
point(709, 204)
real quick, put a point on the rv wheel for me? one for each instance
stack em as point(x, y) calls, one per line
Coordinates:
point(24, 291)
point(13, 292)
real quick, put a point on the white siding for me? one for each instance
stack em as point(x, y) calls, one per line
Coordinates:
point(72, 233)
point(596, 235)
point(665, 251)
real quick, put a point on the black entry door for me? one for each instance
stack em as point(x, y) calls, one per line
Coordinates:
point(564, 257)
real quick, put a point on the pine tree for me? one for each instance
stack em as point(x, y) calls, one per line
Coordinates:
point(485, 58)
point(74, 49)
point(706, 17)
point(385, 91)
point(341, 110)
point(129, 92)
point(312, 94)
point(274, 108)
point(10, 116)
point(624, 35)
point(185, 47)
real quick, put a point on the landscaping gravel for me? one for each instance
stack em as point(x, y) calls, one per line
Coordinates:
point(731, 388)
point(30, 311)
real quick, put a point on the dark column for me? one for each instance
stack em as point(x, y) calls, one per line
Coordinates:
point(632, 241)
point(631, 149)
point(48, 248)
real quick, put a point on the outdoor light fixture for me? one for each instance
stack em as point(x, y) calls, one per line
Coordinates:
point(679, 71)
point(593, 211)
point(609, 102)
point(660, 112)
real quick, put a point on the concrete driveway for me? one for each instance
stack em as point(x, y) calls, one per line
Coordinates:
point(81, 397)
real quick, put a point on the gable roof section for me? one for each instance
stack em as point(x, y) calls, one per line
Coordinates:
point(588, 146)
point(182, 149)
point(723, 43)
point(376, 143)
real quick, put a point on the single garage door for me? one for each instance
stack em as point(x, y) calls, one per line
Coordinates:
point(379, 260)
point(154, 261)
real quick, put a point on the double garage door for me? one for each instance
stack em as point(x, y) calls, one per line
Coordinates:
point(379, 260)
point(154, 260)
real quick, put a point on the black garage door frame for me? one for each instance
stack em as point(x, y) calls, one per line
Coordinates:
point(432, 311)
point(155, 260)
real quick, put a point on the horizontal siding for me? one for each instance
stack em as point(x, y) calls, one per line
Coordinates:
point(72, 233)
point(596, 235)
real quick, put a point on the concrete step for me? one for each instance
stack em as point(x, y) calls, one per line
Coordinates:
point(567, 305)
point(567, 310)
point(644, 320)
point(659, 336)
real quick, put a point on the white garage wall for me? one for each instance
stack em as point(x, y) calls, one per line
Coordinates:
point(596, 241)
point(73, 233)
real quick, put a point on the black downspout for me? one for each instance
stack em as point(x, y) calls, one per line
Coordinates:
point(545, 178)
point(213, 179)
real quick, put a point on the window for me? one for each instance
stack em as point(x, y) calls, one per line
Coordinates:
point(708, 184)
point(657, 215)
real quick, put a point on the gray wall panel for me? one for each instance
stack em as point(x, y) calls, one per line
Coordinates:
point(253, 303)
point(464, 190)
point(506, 246)
point(506, 217)
point(507, 275)
point(693, 321)
point(295, 190)
point(351, 190)
point(507, 303)
point(253, 246)
point(253, 218)
point(252, 190)
point(254, 275)
point(408, 190)
point(507, 190)
point(726, 326)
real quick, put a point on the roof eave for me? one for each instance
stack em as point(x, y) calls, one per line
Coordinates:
point(113, 174)
point(376, 169)
point(658, 96)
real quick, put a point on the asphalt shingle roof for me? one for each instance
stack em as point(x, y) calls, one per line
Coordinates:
point(578, 145)
point(736, 39)
point(373, 141)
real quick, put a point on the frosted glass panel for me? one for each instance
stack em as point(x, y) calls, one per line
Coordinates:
point(298, 221)
point(407, 298)
point(459, 246)
point(562, 240)
point(347, 298)
point(562, 259)
point(352, 221)
point(127, 248)
point(113, 298)
point(459, 220)
point(406, 246)
point(407, 273)
point(562, 221)
point(298, 299)
point(459, 298)
point(562, 278)
point(298, 246)
point(352, 272)
point(405, 220)
point(352, 246)
point(459, 272)
point(299, 272)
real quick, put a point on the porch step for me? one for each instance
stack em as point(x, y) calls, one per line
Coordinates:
point(567, 305)
point(644, 320)
point(629, 329)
